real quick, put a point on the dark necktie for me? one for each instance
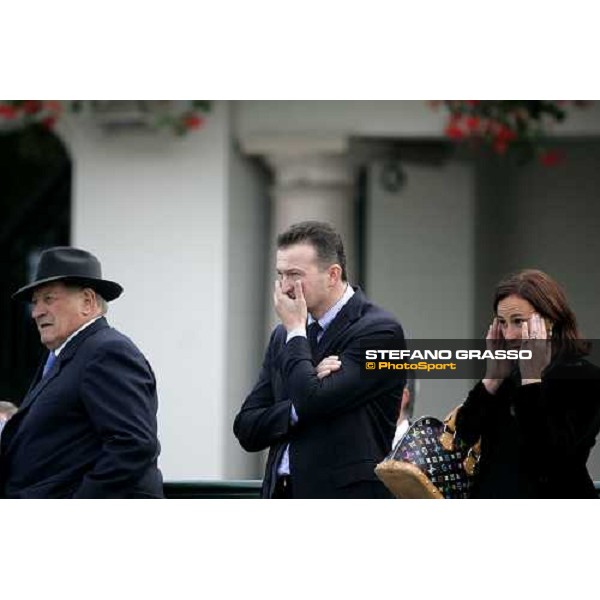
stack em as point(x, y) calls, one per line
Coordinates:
point(312, 332)
point(49, 362)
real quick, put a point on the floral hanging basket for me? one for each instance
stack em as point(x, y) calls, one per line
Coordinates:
point(518, 128)
point(180, 117)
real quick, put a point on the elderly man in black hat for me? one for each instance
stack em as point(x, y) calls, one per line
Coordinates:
point(87, 426)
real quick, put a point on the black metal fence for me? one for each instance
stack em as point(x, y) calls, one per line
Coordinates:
point(228, 489)
point(213, 489)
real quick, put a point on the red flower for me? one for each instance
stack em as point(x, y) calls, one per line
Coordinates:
point(453, 130)
point(49, 122)
point(505, 134)
point(193, 122)
point(30, 107)
point(53, 106)
point(473, 124)
point(551, 158)
point(7, 111)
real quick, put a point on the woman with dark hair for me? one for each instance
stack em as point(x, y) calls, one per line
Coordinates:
point(537, 418)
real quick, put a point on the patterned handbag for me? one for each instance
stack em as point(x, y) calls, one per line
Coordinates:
point(429, 461)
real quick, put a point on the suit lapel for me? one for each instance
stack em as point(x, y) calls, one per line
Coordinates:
point(40, 384)
point(64, 357)
point(36, 378)
point(349, 313)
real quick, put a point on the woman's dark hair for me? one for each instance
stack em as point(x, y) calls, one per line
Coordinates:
point(550, 301)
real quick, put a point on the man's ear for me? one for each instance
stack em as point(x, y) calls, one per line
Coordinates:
point(335, 273)
point(89, 300)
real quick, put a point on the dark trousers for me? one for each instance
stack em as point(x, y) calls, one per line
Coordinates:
point(283, 488)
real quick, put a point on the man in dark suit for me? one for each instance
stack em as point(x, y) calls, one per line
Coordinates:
point(87, 426)
point(326, 424)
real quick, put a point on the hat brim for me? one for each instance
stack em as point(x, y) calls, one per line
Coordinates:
point(109, 290)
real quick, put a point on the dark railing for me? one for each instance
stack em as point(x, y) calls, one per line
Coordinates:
point(213, 489)
point(228, 489)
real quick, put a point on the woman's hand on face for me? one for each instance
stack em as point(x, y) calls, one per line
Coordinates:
point(497, 370)
point(534, 337)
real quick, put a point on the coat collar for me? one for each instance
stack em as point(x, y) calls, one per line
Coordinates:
point(63, 358)
point(69, 350)
point(351, 311)
point(11, 431)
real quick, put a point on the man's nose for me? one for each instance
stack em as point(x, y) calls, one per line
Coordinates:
point(287, 285)
point(36, 311)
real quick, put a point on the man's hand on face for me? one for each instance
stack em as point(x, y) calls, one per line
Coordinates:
point(291, 311)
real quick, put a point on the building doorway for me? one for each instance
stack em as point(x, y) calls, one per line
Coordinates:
point(35, 213)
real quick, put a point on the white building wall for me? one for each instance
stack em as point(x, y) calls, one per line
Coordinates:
point(420, 263)
point(153, 208)
point(249, 277)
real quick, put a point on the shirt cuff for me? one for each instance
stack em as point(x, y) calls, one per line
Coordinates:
point(301, 331)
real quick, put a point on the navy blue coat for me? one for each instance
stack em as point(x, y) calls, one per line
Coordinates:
point(88, 429)
point(346, 422)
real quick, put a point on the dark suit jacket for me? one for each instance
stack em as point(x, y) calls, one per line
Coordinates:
point(535, 439)
point(88, 429)
point(346, 421)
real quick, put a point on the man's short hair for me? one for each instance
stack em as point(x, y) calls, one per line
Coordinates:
point(323, 237)
point(75, 286)
point(102, 303)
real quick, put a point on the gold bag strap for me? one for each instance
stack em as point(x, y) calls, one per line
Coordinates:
point(447, 441)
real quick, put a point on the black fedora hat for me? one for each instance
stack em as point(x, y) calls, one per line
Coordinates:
point(63, 263)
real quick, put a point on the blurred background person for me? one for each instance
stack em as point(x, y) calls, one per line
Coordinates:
point(407, 407)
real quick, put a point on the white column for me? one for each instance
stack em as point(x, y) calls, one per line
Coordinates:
point(315, 187)
point(154, 209)
point(313, 179)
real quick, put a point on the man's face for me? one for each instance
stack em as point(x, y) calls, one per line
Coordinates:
point(299, 262)
point(58, 312)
